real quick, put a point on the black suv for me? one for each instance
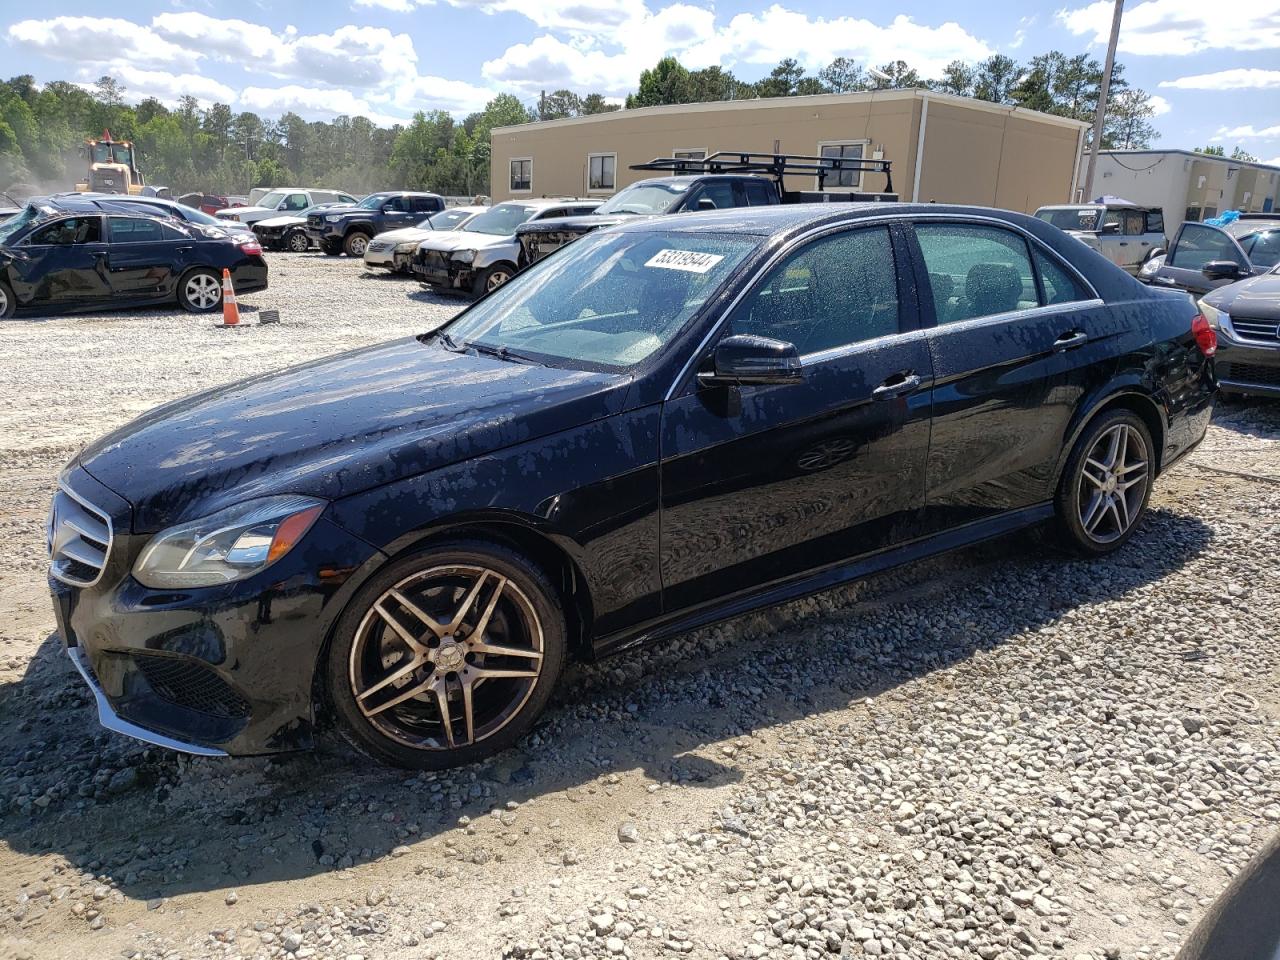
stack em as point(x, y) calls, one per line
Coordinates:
point(349, 229)
point(723, 180)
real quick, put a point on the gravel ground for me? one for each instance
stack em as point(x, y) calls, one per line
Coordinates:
point(998, 754)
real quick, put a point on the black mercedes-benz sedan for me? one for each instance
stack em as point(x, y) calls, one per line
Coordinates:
point(666, 424)
point(90, 255)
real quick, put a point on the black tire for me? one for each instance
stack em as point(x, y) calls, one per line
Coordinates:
point(407, 731)
point(8, 303)
point(331, 247)
point(1099, 505)
point(355, 243)
point(297, 241)
point(491, 278)
point(195, 294)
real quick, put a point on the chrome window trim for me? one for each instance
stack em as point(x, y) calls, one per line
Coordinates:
point(106, 554)
point(993, 319)
point(889, 220)
point(836, 353)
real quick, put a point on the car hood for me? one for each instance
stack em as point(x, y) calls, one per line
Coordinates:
point(405, 234)
point(1257, 298)
point(344, 210)
point(449, 240)
point(338, 426)
point(583, 223)
point(285, 221)
point(230, 212)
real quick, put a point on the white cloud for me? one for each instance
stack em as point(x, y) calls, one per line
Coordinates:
point(220, 38)
point(1160, 105)
point(1165, 27)
point(312, 103)
point(585, 63)
point(1273, 162)
point(166, 87)
point(96, 40)
point(1247, 132)
point(1241, 78)
point(568, 15)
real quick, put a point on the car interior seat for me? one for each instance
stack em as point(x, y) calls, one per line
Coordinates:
point(990, 288)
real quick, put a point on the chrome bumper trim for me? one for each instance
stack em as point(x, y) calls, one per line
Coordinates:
point(115, 723)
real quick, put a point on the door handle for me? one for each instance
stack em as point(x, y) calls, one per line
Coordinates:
point(898, 385)
point(1124, 243)
point(1070, 340)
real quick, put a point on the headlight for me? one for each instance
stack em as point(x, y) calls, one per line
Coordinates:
point(229, 545)
point(1218, 319)
point(1152, 266)
point(408, 247)
point(332, 219)
point(464, 256)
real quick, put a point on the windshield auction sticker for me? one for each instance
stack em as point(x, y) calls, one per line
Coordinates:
point(689, 261)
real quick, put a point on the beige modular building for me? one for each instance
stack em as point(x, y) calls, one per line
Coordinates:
point(942, 147)
point(1186, 185)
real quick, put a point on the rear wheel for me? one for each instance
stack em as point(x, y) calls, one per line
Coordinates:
point(8, 304)
point(446, 656)
point(200, 291)
point(1106, 485)
point(492, 278)
point(356, 243)
point(297, 241)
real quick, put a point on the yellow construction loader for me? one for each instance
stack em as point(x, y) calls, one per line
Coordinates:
point(112, 167)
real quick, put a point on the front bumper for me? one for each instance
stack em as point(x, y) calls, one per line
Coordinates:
point(386, 258)
point(1248, 368)
point(437, 269)
point(213, 670)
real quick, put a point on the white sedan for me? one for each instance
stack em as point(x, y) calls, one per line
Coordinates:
point(394, 249)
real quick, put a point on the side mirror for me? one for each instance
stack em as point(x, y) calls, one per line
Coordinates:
point(1222, 270)
point(706, 203)
point(746, 359)
point(1110, 228)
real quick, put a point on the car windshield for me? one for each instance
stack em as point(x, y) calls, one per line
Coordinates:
point(198, 216)
point(1262, 247)
point(372, 202)
point(445, 220)
point(1072, 218)
point(501, 220)
point(644, 198)
point(609, 300)
point(15, 224)
point(272, 199)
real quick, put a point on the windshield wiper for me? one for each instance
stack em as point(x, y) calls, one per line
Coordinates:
point(449, 342)
point(502, 353)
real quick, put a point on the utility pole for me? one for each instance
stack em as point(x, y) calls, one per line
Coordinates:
point(1101, 114)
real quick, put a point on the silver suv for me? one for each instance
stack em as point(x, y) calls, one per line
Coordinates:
point(1125, 233)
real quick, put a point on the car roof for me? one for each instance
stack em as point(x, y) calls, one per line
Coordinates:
point(541, 203)
point(797, 218)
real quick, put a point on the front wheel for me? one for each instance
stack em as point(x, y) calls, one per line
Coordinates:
point(8, 303)
point(356, 243)
point(1106, 485)
point(446, 656)
point(297, 242)
point(492, 278)
point(200, 291)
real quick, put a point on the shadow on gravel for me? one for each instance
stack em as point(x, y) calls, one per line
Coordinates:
point(161, 825)
point(1252, 417)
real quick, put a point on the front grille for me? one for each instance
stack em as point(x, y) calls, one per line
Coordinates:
point(381, 245)
point(1256, 329)
point(190, 684)
point(1249, 373)
point(314, 221)
point(433, 261)
point(79, 539)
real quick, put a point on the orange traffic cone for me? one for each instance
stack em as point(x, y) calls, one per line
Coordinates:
point(230, 310)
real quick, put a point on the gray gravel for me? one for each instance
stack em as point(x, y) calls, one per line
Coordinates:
point(998, 754)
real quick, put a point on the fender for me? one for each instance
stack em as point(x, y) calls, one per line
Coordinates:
point(364, 226)
point(1126, 384)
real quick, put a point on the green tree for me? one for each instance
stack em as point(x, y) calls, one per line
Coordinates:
point(1242, 155)
point(560, 104)
point(996, 78)
point(668, 82)
point(1212, 151)
point(896, 75)
point(782, 80)
point(712, 84)
point(594, 103)
point(1127, 125)
point(842, 75)
point(957, 78)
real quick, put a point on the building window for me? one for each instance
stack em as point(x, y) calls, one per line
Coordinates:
point(689, 153)
point(600, 170)
point(847, 150)
point(522, 175)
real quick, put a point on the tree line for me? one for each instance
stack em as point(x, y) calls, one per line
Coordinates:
point(187, 147)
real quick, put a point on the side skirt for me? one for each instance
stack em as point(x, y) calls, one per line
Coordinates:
point(825, 578)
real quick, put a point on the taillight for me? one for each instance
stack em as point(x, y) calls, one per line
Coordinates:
point(251, 247)
point(1206, 339)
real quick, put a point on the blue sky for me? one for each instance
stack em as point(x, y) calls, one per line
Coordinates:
point(1214, 67)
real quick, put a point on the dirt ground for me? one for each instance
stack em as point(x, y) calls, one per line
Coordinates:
point(998, 754)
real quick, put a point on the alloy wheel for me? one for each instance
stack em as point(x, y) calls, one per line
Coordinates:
point(203, 290)
point(1113, 483)
point(4, 302)
point(496, 279)
point(358, 245)
point(299, 243)
point(446, 658)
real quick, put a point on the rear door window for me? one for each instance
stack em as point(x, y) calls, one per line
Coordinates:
point(137, 230)
point(1059, 285)
point(1197, 245)
point(976, 271)
point(1155, 221)
point(759, 193)
point(1263, 249)
point(719, 192)
point(1133, 223)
